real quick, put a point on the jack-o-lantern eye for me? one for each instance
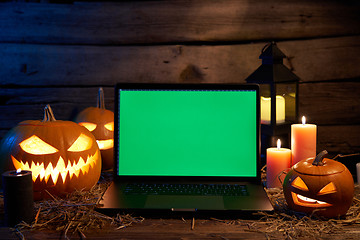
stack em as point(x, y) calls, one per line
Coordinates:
point(82, 143)
point(109, 126)
point(329, 188)
point(299, 183)
point(90, 126)
point(34, 145)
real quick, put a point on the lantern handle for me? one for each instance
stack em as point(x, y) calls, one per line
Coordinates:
point(267, 45)
point(48, 114)
point(100, 99)
point(319, 158)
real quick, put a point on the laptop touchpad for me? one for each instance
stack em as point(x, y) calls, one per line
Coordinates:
point(185, 202)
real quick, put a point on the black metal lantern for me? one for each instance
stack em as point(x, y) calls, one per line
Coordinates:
point(279, 96)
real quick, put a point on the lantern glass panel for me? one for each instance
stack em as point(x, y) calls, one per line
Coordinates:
point(286, 92)
point(265, 103)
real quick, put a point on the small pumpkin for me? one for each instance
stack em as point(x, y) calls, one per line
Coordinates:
point(100, 122)
point(319, 185)
point(62, 155)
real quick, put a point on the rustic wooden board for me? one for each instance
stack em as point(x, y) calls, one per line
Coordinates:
point(65, 65)
point(342, 139)
point(181, 229)
point(323, 103)
point(61, 53)
point(130, 22)
point(323, 59)
point(330, 103)
point(28, 103)
point(169, 229)
point(332, 106)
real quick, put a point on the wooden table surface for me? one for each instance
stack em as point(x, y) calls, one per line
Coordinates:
point(181, 229)
point(264, 226)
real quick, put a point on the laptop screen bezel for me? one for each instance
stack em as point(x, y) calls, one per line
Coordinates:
point(179, 86)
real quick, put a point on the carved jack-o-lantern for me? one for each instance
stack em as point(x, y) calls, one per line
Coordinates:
point(100, 122)
point(319, 185)
point(62, 155)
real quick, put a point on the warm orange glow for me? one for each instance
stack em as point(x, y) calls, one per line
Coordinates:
point(105, 144)
point(308, 202)
point(90, 126)
point(109, 126)
point(82, 143)
point(329, 188)
point(61, 169)
point(299, 183)
point(34, 145)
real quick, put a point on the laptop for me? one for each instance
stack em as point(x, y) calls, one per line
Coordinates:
point(186, 148)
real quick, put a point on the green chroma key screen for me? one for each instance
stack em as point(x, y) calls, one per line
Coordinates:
point(187, 133)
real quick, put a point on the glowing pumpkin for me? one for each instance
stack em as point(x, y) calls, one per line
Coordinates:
point(100, 122)
point(62, 155)
point(321, 185)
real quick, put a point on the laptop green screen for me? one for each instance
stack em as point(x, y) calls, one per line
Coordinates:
point(187, 133)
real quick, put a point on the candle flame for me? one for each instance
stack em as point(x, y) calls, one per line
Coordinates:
point(278, 143)
point(18, 170)
point(303, 120)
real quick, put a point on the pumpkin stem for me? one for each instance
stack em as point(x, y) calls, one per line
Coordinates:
point(319, 158)
point(100, 99)
point(48, 114)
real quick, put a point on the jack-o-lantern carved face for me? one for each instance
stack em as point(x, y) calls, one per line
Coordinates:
point(106, 142)
point(301, 200)
point(327, 188)
point(61, 155)
point(100, 122)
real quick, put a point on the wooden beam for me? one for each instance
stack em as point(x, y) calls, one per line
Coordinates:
point(331, 103)
point(332, 106)
point(342, 139)
point(55, 65)
point(19, 104)
point(334, 103)
point(134, 22)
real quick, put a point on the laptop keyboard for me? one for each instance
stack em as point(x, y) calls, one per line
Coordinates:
point(187, 189)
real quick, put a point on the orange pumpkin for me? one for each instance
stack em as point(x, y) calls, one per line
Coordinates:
point(100, 122)
point(321, 186)
point(62, 155)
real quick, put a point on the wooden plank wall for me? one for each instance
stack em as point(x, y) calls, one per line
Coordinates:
point(61, 53)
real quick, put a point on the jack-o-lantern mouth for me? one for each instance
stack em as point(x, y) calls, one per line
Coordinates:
point(308, 202)
point(62, 168)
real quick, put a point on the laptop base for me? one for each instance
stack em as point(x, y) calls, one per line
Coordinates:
point(169, 206)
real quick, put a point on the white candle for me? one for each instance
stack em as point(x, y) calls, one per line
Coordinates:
point(303, 141)
point(266, 109)
point(277, 160)
point(358, 172)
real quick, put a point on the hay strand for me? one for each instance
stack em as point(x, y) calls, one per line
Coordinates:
point(294, 225)
point(75, 214)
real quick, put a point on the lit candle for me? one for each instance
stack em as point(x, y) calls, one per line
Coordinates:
point(277, 160)
point(303, 141)
point(266, 109)
point(18, 197)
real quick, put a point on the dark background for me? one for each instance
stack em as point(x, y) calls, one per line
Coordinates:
point(60, 53)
